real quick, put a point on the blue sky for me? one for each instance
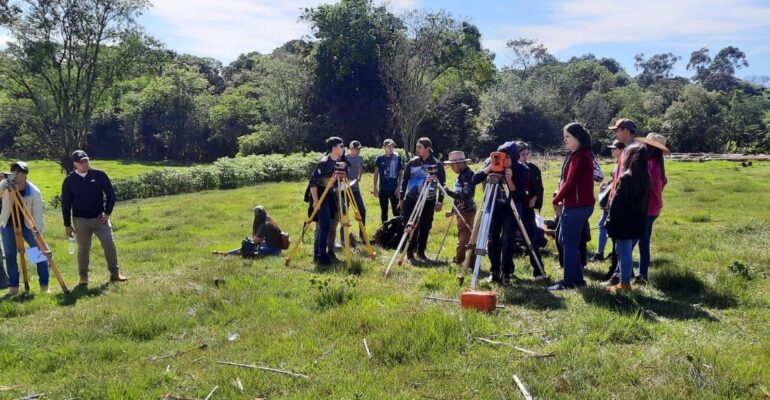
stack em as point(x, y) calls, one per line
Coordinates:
point(223, 29)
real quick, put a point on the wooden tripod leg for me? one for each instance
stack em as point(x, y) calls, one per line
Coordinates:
point(309, 220)
point(360, 220)
point(41, 244)
point(19, 238)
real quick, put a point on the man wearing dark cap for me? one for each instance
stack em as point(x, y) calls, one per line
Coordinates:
point(33, 199)
point(388, 172)
point(87, 201)
point(501, 229)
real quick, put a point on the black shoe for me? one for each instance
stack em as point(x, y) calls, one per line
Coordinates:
point(421, 256)
point(640, 280)
point(410, 255)
point(332, 257)
point(506, 280)
point(597, 257)
point(323, 261)
point(494, 277)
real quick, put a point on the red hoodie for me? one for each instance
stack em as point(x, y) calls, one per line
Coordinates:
point(577, 187)
point(657, 183)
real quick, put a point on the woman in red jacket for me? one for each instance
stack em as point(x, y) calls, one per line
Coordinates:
point(656, 147)
point(576, 194)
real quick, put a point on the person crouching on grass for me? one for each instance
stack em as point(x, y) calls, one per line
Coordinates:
point(265, 236)
point(463, 193)
point(32, 198)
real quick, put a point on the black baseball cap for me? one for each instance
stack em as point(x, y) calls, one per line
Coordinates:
point(78, 155)
point(355, 144)
point(20, 166)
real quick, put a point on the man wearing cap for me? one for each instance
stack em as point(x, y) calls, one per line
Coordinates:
point(501, 229)
point(388, 173)
point(87, 201)
point(355, 168)
point(418, 168)
point(463, 193)
point(33, 199)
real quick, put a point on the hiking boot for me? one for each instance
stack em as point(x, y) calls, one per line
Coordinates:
point(83, 281)
point(640, 280)
point(620, 287)
point(457, 261)
point(118, 277)
point(614, 280)
point(44, 289)
point(597, 257)
point(421, 256)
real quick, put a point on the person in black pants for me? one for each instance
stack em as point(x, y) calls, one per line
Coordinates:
point(410, 191)
point(533, 201)
point(388, 173)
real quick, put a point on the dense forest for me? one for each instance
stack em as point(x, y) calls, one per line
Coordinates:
point(84, 74)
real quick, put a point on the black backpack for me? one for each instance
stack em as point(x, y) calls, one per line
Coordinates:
point(389, 233)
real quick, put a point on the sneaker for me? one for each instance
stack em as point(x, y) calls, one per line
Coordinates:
point(541, 278)
point(323, 261)
point(494, 277)
point(640, 280)
point(337, 246)
point(421, 255)
point(506, 280)
point(597, 257)
point(620, 287)
point(118, 277)
point(44, 289)
point(332, 257)
point(614, 280)
point(560, 286)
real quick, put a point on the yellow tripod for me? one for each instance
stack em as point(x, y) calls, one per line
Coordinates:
point(19, 215)
point(339, 182)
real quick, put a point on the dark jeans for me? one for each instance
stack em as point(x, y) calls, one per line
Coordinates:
point(530, 225)
point(385, 197)
point(644, 247)
point(420, 236)
point(570, 236)
point(500, 247)
point(9, 243)
point(322, 227)
point(352, 215)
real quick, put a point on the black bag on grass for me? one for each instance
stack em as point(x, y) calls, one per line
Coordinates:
point(389, 233)
point(248, 248)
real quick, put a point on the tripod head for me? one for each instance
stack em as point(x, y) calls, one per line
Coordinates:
point(497, 159)
point(431, 169)
point(9, 180)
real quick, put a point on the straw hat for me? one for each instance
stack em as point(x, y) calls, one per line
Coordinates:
point(457, 157)
point(655, 140)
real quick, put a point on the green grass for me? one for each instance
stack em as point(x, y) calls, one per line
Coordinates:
point(701, 329)
point(48, 175)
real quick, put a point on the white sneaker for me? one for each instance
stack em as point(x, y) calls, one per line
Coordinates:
point(44, 289)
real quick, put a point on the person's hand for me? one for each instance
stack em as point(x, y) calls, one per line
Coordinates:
point(104, 218)
point(438, 207)
point(69, 231)
point(532, 202)
point(488, 169)
point(315, 204)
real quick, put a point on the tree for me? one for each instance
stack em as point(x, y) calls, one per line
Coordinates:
point(694, 122)
point(64, 56)
point(719, 73)
point(655, 68)
point(528, 53)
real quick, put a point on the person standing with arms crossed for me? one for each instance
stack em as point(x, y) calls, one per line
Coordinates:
point(87, 202)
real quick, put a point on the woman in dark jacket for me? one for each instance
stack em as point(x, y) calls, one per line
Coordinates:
point(576, 193)
point(627, 219)
point(533, 201)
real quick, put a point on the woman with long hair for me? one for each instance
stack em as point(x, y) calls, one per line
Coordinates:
point(576, 196)
point(265, 237)
point(656, 147)
point(627, 219)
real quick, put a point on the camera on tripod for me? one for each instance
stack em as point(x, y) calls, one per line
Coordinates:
point(9, 179)
point(431, 169)
point(340, 166)
point(497, 159)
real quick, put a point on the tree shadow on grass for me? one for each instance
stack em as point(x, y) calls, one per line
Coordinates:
point(80, 291)
point(631, 303)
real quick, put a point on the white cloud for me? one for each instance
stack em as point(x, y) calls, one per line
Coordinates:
point(224, 29)
point(581, 22)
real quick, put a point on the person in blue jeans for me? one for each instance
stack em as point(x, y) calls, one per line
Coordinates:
point(322, 173)
point(533, 201)
point(33, 199)
point(616, 148)
point(265, 234)
point(627, 220)
point(575, 197)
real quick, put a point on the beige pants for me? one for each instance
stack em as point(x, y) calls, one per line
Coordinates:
point(84, 230)
point(463, 236)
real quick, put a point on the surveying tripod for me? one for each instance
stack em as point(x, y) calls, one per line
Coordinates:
point(341, 184)
point(480, 234)
point(20, 214)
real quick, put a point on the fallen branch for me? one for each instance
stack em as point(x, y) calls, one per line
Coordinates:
point(33, 396)
point(764, 390)
point(211, 393)
point(522, 388)
point(9, 388)
point(366, 346)
point(179, 353)
point(239, 384)
point(261, 368)
point(517, 348)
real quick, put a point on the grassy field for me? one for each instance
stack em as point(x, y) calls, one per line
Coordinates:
point(701, 329)
point(48, 175)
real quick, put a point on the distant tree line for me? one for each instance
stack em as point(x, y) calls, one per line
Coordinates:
point(83, 74)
